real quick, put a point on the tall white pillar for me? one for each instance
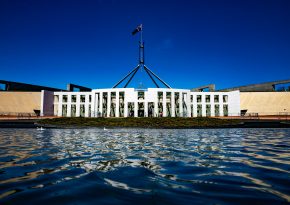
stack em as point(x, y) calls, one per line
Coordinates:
point(87, 99)
point(59, 114)
point(164, 114)
point(221, 105)
point(145, 108)
point(96, 105)
point(125, 108)
point(172, 104)
point(108, 104)
point(212, 111)
point(188, 104)
point(180, 105)
point(156, 114)
point(194, 106)
point(93, 104)
point(101, 104)
point(135, 109)
point(78, 105)
point(117, 104)
point(203, 104)
point(68, 108)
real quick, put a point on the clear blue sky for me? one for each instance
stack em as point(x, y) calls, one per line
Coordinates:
point(188, 43)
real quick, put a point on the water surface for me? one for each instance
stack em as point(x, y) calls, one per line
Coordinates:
point(144, 166)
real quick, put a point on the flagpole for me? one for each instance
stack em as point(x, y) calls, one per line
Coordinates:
point(141, 38)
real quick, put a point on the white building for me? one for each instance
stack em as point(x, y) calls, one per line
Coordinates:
point(151, 102)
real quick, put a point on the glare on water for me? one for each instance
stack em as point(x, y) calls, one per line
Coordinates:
point(149, 165)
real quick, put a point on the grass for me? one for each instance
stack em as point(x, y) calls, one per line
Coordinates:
point(166, 122)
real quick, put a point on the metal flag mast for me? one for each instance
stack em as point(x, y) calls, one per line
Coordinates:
point(141, 64)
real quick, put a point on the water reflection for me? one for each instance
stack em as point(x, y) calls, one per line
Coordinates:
point(244, 162)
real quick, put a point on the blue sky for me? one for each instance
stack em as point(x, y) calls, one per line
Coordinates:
point(187, 43)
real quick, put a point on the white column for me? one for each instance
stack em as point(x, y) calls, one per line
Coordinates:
point(172, 104)
point(69, 96)
point(96, 107)
point(194, 106)
point(203, 104)
point(93, 104)
point(156, 107)
point(117, 104)
point(180, 105)
point(212, 113)
point(145, 108)
point(108, 104)
point(188, 104)
point(164, 105)
point(125, 108)
point(78, 105)
point(221, 105)
point(135, 109)
point(101, 104)
point(87, 98)
point(59, 114)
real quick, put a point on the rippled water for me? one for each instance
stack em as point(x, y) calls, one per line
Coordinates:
point(144, 166)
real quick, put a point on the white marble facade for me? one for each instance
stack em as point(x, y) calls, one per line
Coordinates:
point(152, 102)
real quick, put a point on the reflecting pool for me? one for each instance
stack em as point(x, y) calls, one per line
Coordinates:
point(144, 166)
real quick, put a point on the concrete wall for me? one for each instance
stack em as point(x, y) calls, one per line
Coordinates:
point(19, 102)
point(265, 103)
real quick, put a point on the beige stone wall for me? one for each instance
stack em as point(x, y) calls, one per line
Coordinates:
point(265, 103)
point(19, 102)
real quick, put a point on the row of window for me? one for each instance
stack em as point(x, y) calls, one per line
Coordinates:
point(208, 110)
point(141, 97)
point(208, 98)
point(73, 110)
point(73, 98)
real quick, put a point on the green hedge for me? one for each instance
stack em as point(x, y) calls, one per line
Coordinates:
point(167, 122)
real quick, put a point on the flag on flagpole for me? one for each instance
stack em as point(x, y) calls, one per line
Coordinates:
point(139, 28)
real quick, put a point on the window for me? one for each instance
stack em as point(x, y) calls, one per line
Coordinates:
point(217, 110)
point(73, 110)
point(64, 98)
point(83, 98)
point(225, 98)
point(90, 98)
point(168, 97)
point(113, 97)
point(226, 110)
point(208, 114)
point(73, 98)
point(64, 110)
point(105, 98)
point(150, 109)
point(121, 104)
point(82, 110)
point(160, 96)
point(207, 98)
point(198, 98)
point(130, 109)
point(191, 98)
point(199, 110)
point(216, 98)
point(140, 95)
